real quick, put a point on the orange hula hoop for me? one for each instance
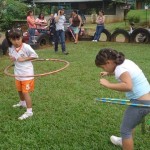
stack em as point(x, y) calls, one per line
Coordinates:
point(39, 75)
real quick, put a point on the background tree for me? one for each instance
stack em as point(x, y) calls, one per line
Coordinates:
point(11, 10)
point(147, 2)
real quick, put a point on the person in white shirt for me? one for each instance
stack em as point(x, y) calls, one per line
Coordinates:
point(21, 55)
point(133, 82)
point(60, 31)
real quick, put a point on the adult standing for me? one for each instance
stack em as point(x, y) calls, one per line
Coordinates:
point(52, 27)
point(31, 25)
point(76, 22)
point(100, 26)
point(60, 31)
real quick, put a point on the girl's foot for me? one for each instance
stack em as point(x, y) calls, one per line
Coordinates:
point(116, 140)
point(26, 115)
point(19, 105)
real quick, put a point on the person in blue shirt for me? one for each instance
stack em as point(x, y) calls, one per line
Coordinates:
point(133, 82)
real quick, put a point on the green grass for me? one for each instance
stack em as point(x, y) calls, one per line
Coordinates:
point(139, 13)
point(66, 116)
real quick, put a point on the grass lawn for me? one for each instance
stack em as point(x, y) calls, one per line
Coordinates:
point(66, 116)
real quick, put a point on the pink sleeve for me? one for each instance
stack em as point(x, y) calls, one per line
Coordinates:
point(30, 22)
point(37, 20)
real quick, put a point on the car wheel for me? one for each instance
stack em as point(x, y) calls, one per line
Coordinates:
point(42, 39)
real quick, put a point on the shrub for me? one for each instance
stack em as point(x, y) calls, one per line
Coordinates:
point(12, 10)
point(135, 19)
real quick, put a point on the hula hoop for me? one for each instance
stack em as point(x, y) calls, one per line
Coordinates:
point(38, 75)
point(120, 101)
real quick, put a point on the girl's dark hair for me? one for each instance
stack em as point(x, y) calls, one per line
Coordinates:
point(109, 54)
point(14, 33)
point(102, 11)
point(40, 16)
point(75, 11)
point(28, 13)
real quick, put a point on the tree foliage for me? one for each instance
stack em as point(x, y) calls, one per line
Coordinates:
point(147, 2)
point(11, 10)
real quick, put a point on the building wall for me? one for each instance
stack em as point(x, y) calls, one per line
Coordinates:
point(113, 14)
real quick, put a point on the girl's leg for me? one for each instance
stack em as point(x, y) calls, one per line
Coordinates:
point(22, 102)
point(28, 100)
point(29, 112)
point(132, 117)
point(101, 28)
point(96, 33)
point(21, 95)
point(127, 144)
point(22, 99)
point(27, 86)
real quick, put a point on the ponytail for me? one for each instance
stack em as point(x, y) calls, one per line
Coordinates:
point(109, 54)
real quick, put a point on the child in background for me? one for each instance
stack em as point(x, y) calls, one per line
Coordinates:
point(100, 26)
point(22, 54)
point(132, 81)
point(41, 23)
point(132, 27)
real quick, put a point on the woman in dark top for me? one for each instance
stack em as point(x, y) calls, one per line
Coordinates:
point(76, 22)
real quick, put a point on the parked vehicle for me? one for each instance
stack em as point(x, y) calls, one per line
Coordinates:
point(41, 38)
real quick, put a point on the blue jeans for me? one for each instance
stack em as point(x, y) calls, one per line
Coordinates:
point(98, 32)
point(60, 36)
point(31, 32)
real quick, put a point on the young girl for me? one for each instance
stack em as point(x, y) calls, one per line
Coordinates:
point(132, 81)
point(22, 54)
point(100, 26)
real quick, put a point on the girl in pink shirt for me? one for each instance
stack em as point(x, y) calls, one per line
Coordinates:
point(41, 22)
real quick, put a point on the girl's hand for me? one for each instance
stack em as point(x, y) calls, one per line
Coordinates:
point(104, 82)
point(102, 74)
point(21, 59)
point(12, 58)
